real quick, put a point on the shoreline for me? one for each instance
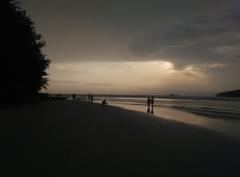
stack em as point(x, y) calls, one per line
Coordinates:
point(229, 127)
point(71, 138)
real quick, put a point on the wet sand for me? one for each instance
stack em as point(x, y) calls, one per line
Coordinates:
point(227, 126)
point(68, 138)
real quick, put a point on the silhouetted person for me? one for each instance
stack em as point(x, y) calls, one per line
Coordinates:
point(91, 98)
point(104, 102)
point(148, 104)
point(73, 96)
point(152, 103)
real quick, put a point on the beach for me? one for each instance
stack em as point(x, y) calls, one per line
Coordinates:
point(73, 138)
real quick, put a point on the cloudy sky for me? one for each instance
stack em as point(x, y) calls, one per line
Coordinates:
point(187, 47)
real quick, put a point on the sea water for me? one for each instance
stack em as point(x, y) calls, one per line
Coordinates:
point(220, 108)
point(219, 114)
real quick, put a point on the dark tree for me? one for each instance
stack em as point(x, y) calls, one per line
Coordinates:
point(23, 65)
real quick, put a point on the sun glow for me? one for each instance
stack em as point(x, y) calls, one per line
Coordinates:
point(122, 77)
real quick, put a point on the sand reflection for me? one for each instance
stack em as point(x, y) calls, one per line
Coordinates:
point(229, 127)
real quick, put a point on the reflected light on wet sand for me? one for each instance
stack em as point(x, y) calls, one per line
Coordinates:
point(227, 127)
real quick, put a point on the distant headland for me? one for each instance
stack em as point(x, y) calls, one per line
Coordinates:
point(233, 93)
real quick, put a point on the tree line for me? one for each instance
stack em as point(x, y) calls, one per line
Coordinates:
point(23, 64)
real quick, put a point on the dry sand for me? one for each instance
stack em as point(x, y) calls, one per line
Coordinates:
point(73, 139)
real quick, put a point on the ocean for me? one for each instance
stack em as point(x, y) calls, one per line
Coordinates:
point(218, 114)
point(214, 113)
point(219, 108)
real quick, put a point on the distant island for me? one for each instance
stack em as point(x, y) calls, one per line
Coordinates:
point(233, 93)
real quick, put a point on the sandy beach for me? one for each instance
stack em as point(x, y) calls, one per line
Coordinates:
point(72, 139)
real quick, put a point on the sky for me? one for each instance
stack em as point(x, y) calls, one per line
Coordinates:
point(186, 47)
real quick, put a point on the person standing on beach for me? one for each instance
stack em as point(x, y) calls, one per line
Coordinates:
point(152, 103)
point(91, 98)
point(148, 104)
point(104, 102)
point(73, 96)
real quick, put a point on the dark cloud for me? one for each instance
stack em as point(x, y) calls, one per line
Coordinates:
point(90, 30)
point(203, 39)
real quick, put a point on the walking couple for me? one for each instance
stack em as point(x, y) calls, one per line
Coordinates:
point(150, 103)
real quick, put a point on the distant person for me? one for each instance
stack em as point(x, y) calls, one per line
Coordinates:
point(91, 98)
point(148, 104)
point(104, 102)
point(73, 96)
point(152, 103)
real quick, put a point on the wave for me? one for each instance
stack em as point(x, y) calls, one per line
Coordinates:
point(213, 108)
point(210, 112)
